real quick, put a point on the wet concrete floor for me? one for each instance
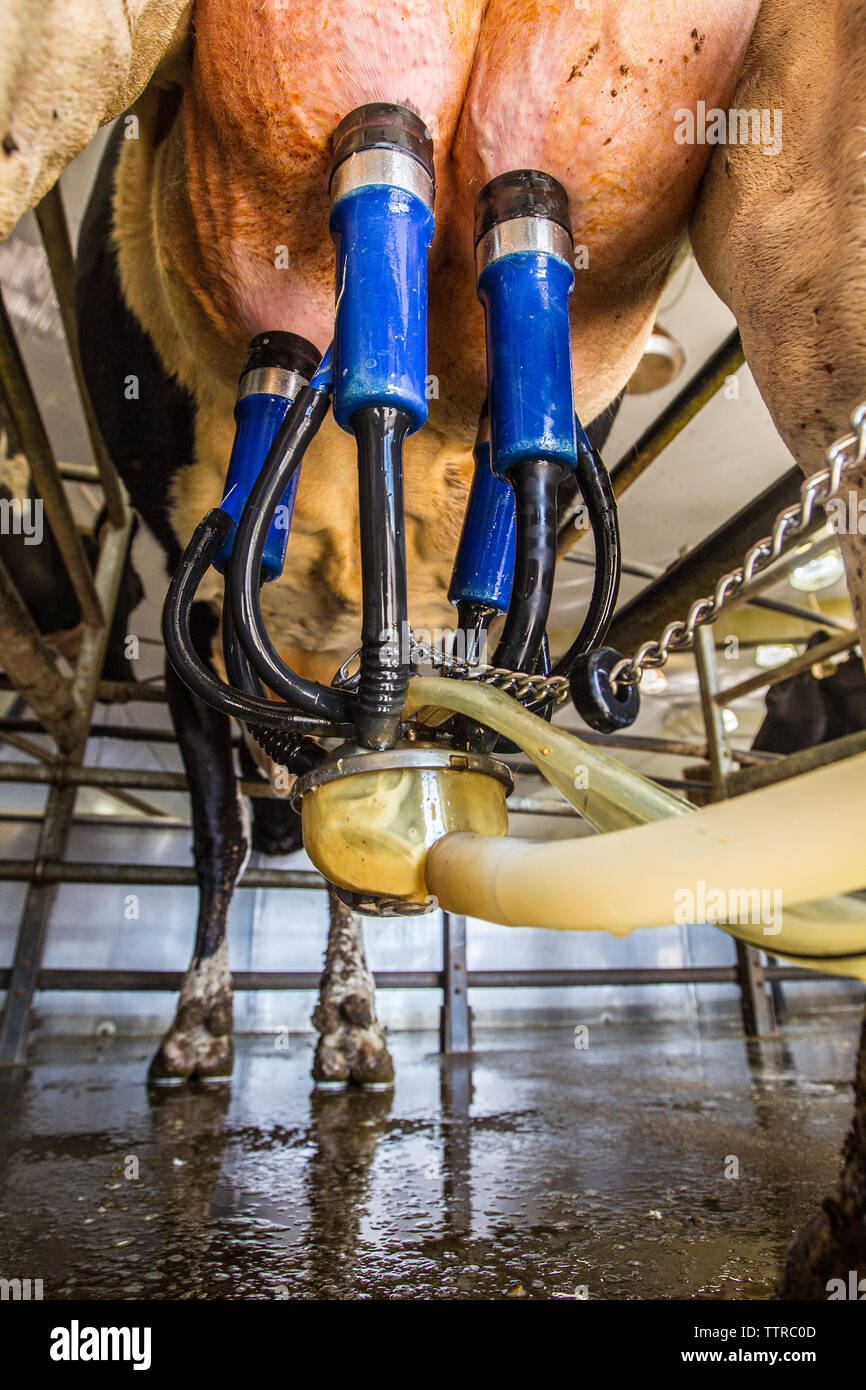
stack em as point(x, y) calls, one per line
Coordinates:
point(656, 1162)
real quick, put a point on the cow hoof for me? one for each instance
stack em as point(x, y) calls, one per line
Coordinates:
point(353, 1055)
point(196, 1055)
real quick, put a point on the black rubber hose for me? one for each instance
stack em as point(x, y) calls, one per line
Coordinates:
point(284, 458)
point(473, 620)
point(238, 669)
point(288, 749)
point(542, 668)
point(199, 555)
point(535, 482)
point(384, 674)
point(597, 492)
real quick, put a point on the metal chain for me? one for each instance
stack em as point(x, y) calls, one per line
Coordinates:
point(517, 683)
point(844, 454)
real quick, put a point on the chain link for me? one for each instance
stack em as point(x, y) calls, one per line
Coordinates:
point(521, 685)
point(844, 454)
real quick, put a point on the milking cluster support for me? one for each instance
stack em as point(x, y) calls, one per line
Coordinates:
point(63, 708)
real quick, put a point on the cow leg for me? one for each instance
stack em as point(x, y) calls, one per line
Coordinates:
point(276, 827)
point(198, 1045)
point(351, 1045)
point(833, 1241)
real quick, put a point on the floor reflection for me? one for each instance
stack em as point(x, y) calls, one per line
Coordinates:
point(531, 1169)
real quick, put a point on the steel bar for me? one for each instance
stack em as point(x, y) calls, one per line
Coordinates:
point(724, 362)
point(721, 763)
point(126, 733)
point(26, 745)
point(748, 779)
point(54, 230)
point(146, 780)
point(772, 605)
point(639, 743)
point(141, 779)
point(30, 943)
point(668, 598)
point(795, 610)
point(134, 734)
point(115, 692)
point(156, 820)
point(114, 545)
point(455, 1023)
point(755, 999)
point(171, 980)
point(60, 802)
point(632, 567)
point(153, 818)
point(842, 642)
point(78, 473)
point(626, 975)
point(30, 430)
point(53, 871)
point(686, 404)
point(30, 665)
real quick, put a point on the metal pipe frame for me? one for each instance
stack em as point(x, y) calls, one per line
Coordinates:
point(30, 664)
point(669, 597)
point(27, 421)
point(756, 1001)
point(54, 230)
point(171, 980)
point(813, 656)
point(772, 605)
point(710, 378)
point(132, 733)
point(64, 706)
point(116, 692)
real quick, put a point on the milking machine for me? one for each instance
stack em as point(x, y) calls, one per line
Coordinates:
point(396, 784)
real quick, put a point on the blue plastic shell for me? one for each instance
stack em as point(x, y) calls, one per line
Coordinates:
point(529, 374)
point(258, 417)
point(484, 565)
point(380, 334)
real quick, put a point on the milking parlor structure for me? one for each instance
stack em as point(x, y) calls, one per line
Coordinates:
point(517, 957)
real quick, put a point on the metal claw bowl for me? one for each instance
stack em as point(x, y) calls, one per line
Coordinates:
point(369, 818)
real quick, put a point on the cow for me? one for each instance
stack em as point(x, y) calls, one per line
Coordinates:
point(179, 267)
point(35, 566)
point(223, 161)
point(805, 710)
